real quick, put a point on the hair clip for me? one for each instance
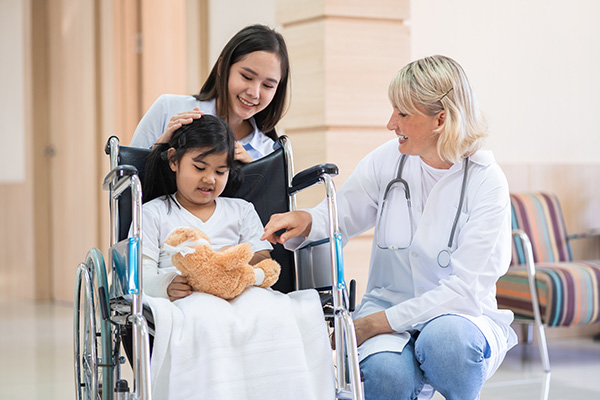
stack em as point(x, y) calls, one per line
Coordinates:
point(446, 93)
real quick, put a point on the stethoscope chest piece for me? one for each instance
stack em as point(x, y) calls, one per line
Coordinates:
point(443, 258)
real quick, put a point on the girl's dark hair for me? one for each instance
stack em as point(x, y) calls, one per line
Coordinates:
point(209, 133)
point(250, 39)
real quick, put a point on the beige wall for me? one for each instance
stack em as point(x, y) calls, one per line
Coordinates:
point(226, 17)
point(12, 97)
point(16, 165)
point(533, 65)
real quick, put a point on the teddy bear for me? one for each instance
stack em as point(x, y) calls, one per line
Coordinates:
point(226, 273)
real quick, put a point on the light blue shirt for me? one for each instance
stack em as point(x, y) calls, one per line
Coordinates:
point(157, 118)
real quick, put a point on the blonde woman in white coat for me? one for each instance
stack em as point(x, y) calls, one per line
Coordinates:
point(429, 319)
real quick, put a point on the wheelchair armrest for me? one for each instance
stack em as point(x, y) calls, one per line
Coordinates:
point(117, 173)
point(311, 176)
point(584, 235)
point(314, 244)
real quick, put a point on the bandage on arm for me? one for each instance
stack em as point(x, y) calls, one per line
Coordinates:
point(155, 284)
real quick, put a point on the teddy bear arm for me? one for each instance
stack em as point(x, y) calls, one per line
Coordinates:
point(234, 256)
point(271, 271)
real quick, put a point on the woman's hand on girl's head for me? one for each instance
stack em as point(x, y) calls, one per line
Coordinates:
point(241, 154)
point(295, 223)
point(178, 288)
point(177, 121)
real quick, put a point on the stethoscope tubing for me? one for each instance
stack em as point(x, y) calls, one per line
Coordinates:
point(445, 255)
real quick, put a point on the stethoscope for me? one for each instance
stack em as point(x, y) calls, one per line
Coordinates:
point(443, 257)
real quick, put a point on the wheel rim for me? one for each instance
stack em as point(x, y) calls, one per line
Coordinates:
point(86, 346)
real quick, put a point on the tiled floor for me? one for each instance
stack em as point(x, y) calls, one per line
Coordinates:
point(36, 360)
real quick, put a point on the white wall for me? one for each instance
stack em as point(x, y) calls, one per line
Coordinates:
point(12, 95)
point(227, 17)
point(534, 65)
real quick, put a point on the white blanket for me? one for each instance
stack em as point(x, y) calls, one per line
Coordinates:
point(261, 345)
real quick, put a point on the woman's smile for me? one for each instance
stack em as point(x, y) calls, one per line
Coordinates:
point(247, 103)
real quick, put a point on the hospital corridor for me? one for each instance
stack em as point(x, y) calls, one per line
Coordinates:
point(449, 152)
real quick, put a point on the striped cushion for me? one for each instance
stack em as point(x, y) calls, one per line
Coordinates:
point(540, 216)
point(567, 292)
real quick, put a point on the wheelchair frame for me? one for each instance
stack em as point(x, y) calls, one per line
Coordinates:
point(99, 321)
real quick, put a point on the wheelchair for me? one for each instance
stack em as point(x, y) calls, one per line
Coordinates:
point(109, 315)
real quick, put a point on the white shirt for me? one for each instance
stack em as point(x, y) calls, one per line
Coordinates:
point(156, 120)
point(234, 221)
point(409, 285)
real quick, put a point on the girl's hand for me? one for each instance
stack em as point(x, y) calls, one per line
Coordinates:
point(241, 154)
point(295, 223)
point(177, 121)
point(178, 288)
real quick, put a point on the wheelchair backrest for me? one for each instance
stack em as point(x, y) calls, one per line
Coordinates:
point(265, 184)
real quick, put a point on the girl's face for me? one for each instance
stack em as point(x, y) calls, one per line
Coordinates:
point(416, 135)
point(252, 84)
point(200, 180)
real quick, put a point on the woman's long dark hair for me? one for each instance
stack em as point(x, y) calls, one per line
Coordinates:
point(209, 133)
point(248, 40)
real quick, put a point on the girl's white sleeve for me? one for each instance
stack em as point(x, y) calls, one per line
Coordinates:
point(154, 283)
point(251, 229)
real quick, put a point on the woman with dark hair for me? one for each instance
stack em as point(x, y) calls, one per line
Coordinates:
point(247, 88)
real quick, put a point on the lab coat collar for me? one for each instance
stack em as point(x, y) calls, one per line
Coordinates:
point(483, 158)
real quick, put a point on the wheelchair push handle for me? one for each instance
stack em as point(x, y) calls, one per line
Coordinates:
point(114, 140)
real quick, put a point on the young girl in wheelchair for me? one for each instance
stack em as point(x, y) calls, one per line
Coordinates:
point(199, 164)
point(261, 345)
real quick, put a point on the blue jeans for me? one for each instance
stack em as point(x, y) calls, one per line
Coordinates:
point(448, 353)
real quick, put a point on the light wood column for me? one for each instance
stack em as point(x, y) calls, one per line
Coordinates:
point(343, 55)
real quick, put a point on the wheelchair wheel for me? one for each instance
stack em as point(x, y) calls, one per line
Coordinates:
point(91, 334)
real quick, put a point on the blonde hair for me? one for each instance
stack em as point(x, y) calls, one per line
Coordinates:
point(439, 83)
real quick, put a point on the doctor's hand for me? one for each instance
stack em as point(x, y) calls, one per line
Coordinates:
point(295, 223)
point(371, 325)
point(177, 121)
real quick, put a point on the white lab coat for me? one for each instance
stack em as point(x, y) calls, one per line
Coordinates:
point(409, 284)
